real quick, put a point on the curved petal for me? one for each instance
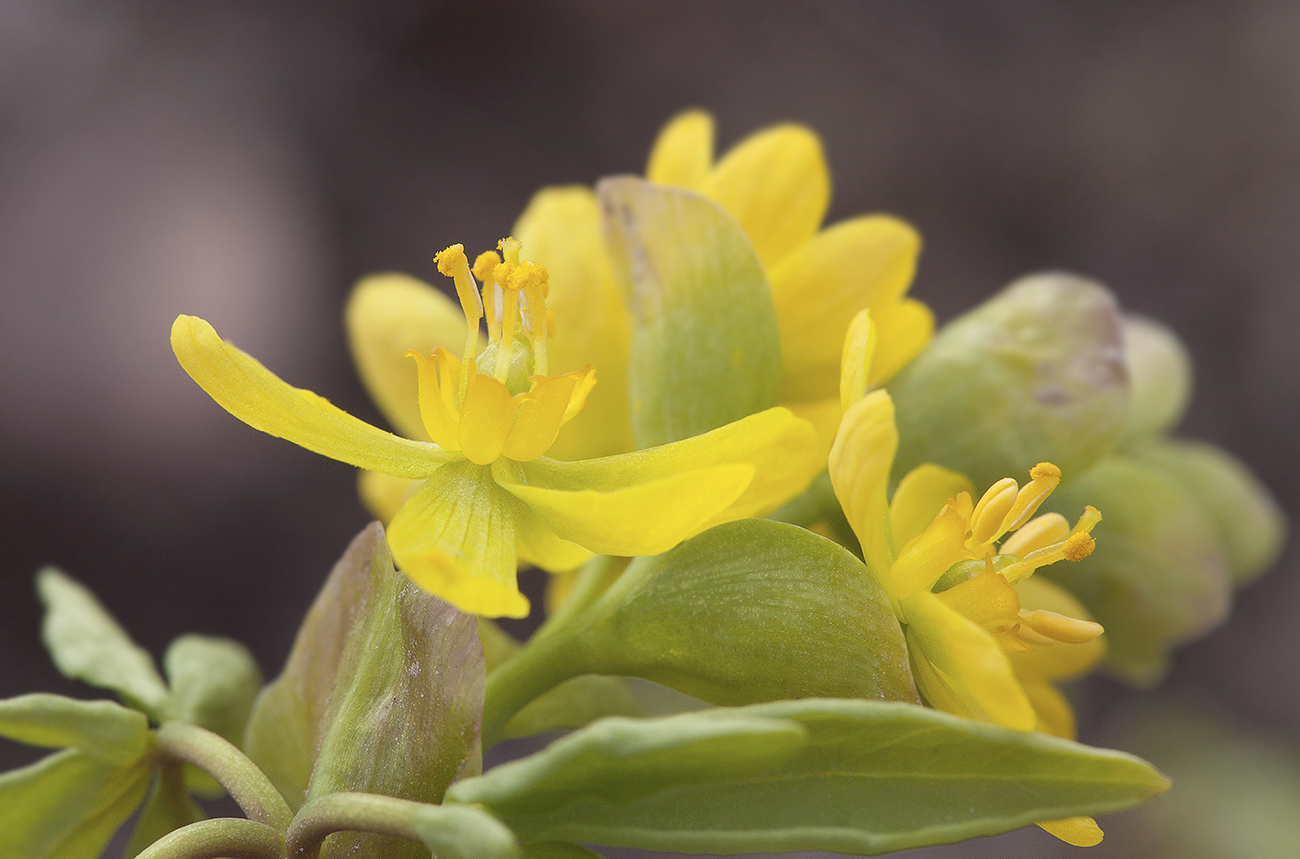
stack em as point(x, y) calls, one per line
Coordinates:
point(485, 419)
point(1075, 831)
point(541, 413)
point(1061, 660)
point(855, 360)
point(539, 545)
point(561, 230)
point(777, 185)
point(383, 495)
point(779, 448)
point(638, 519)
point(929, 555)
point(438, 375)
point(455, 538)
point(865, 262)
point(905, 328)
point(975, 675)
point(920, 495)
point(1055, 715)
point(683, 153)
point(859, 464)
point(259, 398)
point(387, 316)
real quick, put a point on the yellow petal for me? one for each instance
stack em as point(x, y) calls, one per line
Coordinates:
point(865, 262)
point(387, 316)
point(905, 328)
point(855, 360)
point(1060, 660)
point(824, 416)
point(987, 600)
point(778, 448)
point(455, 538)
point(1055, 715)
point(1075, 831)
point(776, 184)
point(259, 398)
point(539, 545)
point(638, 519)
point(929, 555)
point(485, 420)
point(561, 230)
point(540, 414)
point(966, 658)
point(438, 376)
point(383, 495)
point(683, 153)
point(860, 463)
point(920, 495)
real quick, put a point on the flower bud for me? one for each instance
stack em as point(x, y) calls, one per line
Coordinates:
point(1160, 378)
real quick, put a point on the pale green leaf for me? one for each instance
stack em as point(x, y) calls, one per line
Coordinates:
point(87, 644)
point(573, 704)
point(214, 682)
point(849, 776)
point(67, 805)
point(103, 730)
point(460, 832)
point(167, 808)
point(705, 343)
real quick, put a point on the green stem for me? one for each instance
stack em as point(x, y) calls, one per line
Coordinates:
point(341, 812)
point(241, 778)
point(223, 838)
point(590, 581)
point(545, 662)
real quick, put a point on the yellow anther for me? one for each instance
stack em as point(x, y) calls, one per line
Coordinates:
point(484, 264)
point(1045, 471)
point(986, 519)
point(1078, 546)
point(451, 262)
point(450, 259)
point(1043, 479)
point(1091, 516)
point(1037, 533)
point(1059, 627)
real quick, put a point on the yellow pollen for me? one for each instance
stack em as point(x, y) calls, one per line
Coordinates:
point(485, 263)
point(1044, 471)
point(1078, 546)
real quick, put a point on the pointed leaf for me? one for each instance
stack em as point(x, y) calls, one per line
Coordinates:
point(855, 777)
point(87, 644)
point(459, 832)
point(575, 703)
point(705, 344)
point(1034, 374)
point(67, 806)
point(103, 730)
point(214, 682)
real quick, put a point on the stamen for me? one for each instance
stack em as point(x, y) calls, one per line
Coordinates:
point(1037, 533)
point(1059, 627)
point(505, 346)
point(986, 520)
point(451, 262)
point(1043, 479)
point(484, 266)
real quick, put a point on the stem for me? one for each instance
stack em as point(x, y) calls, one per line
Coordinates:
point(241, 778)
point(223, 838)
point(545, 662)
point(339, 812)
point(589, 583)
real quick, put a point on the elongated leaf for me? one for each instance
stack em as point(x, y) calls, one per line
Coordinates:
point(67, 806)
point(104, 730)
point(1034, 374)
point(167, 808)
point(88, 644)
point(575, 703)
point(705, 349)
point(850, 776)
point(214, 682)
point(457, 832)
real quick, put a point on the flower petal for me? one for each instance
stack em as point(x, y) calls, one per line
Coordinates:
point(561, 230)
point(438, 376)
point(860, 462)
point(383, 495)
point(1075, 831)
point(683, 153)
point(855, 360)
point(929, 555)
point(779, 448)
point(976, 676)
point(541, 413)
point(1061, 660)
point(776, 184)
point(455, 538)
point(905, 329)
point(486, 417)
point(539, 545)
point(638, 519)
point(920, 495)
point(259, 398)
point(387, 316)
point(865, 262)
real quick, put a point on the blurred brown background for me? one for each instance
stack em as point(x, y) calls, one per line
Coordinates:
point(248, 161)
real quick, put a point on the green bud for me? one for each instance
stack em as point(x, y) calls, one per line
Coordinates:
point(1035, 374)
point(705, 348)
point(1159, 575)
point(1160, 375)
point(1247, 520)
point(521, 362)
point(385, 681)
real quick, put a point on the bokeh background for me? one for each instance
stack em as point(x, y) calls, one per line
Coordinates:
point(248, 161)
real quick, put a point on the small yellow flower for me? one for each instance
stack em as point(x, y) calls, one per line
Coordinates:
point(481, 495)
point(985, 641)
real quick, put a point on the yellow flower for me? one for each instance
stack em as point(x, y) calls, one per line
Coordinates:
point(777, 186)
point(985, 641)
point(485, 495)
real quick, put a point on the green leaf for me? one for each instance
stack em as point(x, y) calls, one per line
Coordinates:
point(705, 349)
point(1159, 575)
point(214, 682)
point(460, 832)
point(385, 681)
point(1247, 520)
point(748, 611)
point(87, 644)
point(856, 777)
point(67, 805)
point(1035, 374)
point(103, 730)
point(573, 704)
point(558, 850)
point(168, 808)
